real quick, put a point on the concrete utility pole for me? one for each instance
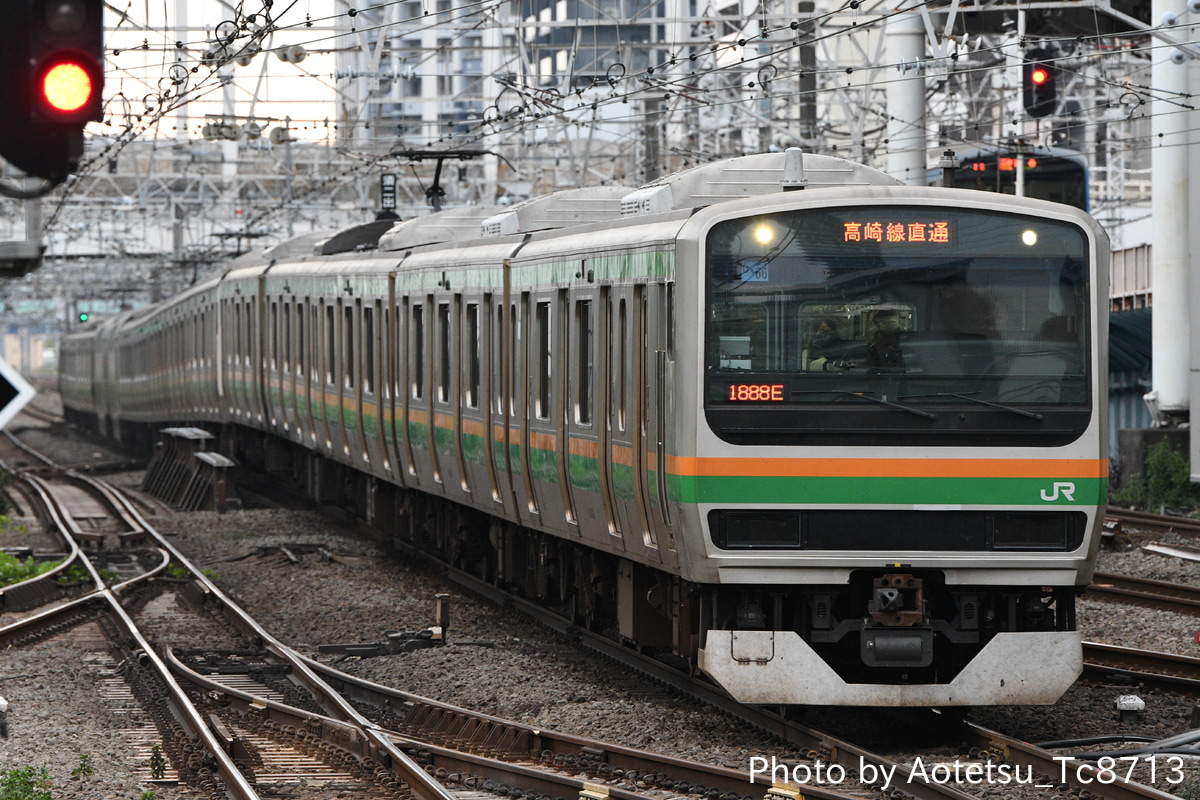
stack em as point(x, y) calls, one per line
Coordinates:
point(906, 98)
point(1170, 120)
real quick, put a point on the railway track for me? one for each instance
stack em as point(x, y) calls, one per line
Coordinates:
point(203, 746)
point(1162, 595)
point(475, 753)
point(980, 746)
point(255, 678)
point(1156, 523)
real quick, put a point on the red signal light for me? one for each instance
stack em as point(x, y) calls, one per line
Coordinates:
point(1039, 75)
point(67, 86)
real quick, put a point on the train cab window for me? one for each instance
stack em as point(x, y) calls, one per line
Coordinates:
point(919, 320)
point(417, 356)
point(473, 344)
point(542, 363)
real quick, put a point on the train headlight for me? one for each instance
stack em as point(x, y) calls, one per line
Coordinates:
point(764, 234)
point(1029, 237)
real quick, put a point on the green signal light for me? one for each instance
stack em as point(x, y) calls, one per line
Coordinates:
point(83, 316)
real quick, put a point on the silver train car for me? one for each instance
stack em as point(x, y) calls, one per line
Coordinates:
point(827, 438)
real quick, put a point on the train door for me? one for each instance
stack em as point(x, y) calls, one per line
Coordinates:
point(625, 352)
point(272, 372)
point(241, 360)
point(586, 421)
point(257, 388)
point(350, 379)
point(373, 388)
point(501, 432)
point(546, 449)
point(660, 358)
point(419, 429)
point(322, 374)
point(520, 402)
point(386, 409)
point(289, 342)
point(397, 383)
point(477, 458)
point(305, 360)
point(447, 422)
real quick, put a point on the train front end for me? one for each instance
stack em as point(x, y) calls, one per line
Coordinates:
point(894, 463)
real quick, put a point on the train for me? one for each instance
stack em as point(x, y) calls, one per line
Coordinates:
point(823, 437)
point(1058, 174)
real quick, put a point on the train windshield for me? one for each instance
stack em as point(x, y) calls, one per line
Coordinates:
point(910, 312)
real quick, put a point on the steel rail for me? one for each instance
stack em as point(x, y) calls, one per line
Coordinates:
point(1146, 592)
point(236, 785)
point(40, 588)
point(451, 760)
point(422, 785)
point(1181, 673)
point(1081, 776)
point(1156, 522)
point(831, 748)
point(492, 734)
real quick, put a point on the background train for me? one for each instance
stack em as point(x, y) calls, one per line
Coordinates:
point(842, 445)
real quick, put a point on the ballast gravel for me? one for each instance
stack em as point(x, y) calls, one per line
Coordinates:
point(343, 588)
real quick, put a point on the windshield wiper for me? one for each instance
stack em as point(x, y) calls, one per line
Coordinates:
point(969, 399)
point(889, 403)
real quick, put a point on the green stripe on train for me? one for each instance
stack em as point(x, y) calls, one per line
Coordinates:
point(892, 491)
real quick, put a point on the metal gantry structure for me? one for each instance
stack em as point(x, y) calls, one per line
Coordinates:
point(555, 94)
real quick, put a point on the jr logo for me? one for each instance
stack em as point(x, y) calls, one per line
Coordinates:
point(1067, 490)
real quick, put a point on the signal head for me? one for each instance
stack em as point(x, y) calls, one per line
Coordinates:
point(1039, 89)
point(52, 59)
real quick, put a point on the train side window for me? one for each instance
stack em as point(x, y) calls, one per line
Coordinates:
point(498, 359)
point(622, 362)
point(287, 337)
point(314, 342)
point(543, 354)
point(417, 358)
point(274, 335)
point(473, 344)
point(330, 344)
point(348, 346)
point(251, 327)
point(671, 321)
point(443, 386)
point(396, 338)
point(301, 332)
point(583, 381)
point(368, 333)
point(237, 333)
